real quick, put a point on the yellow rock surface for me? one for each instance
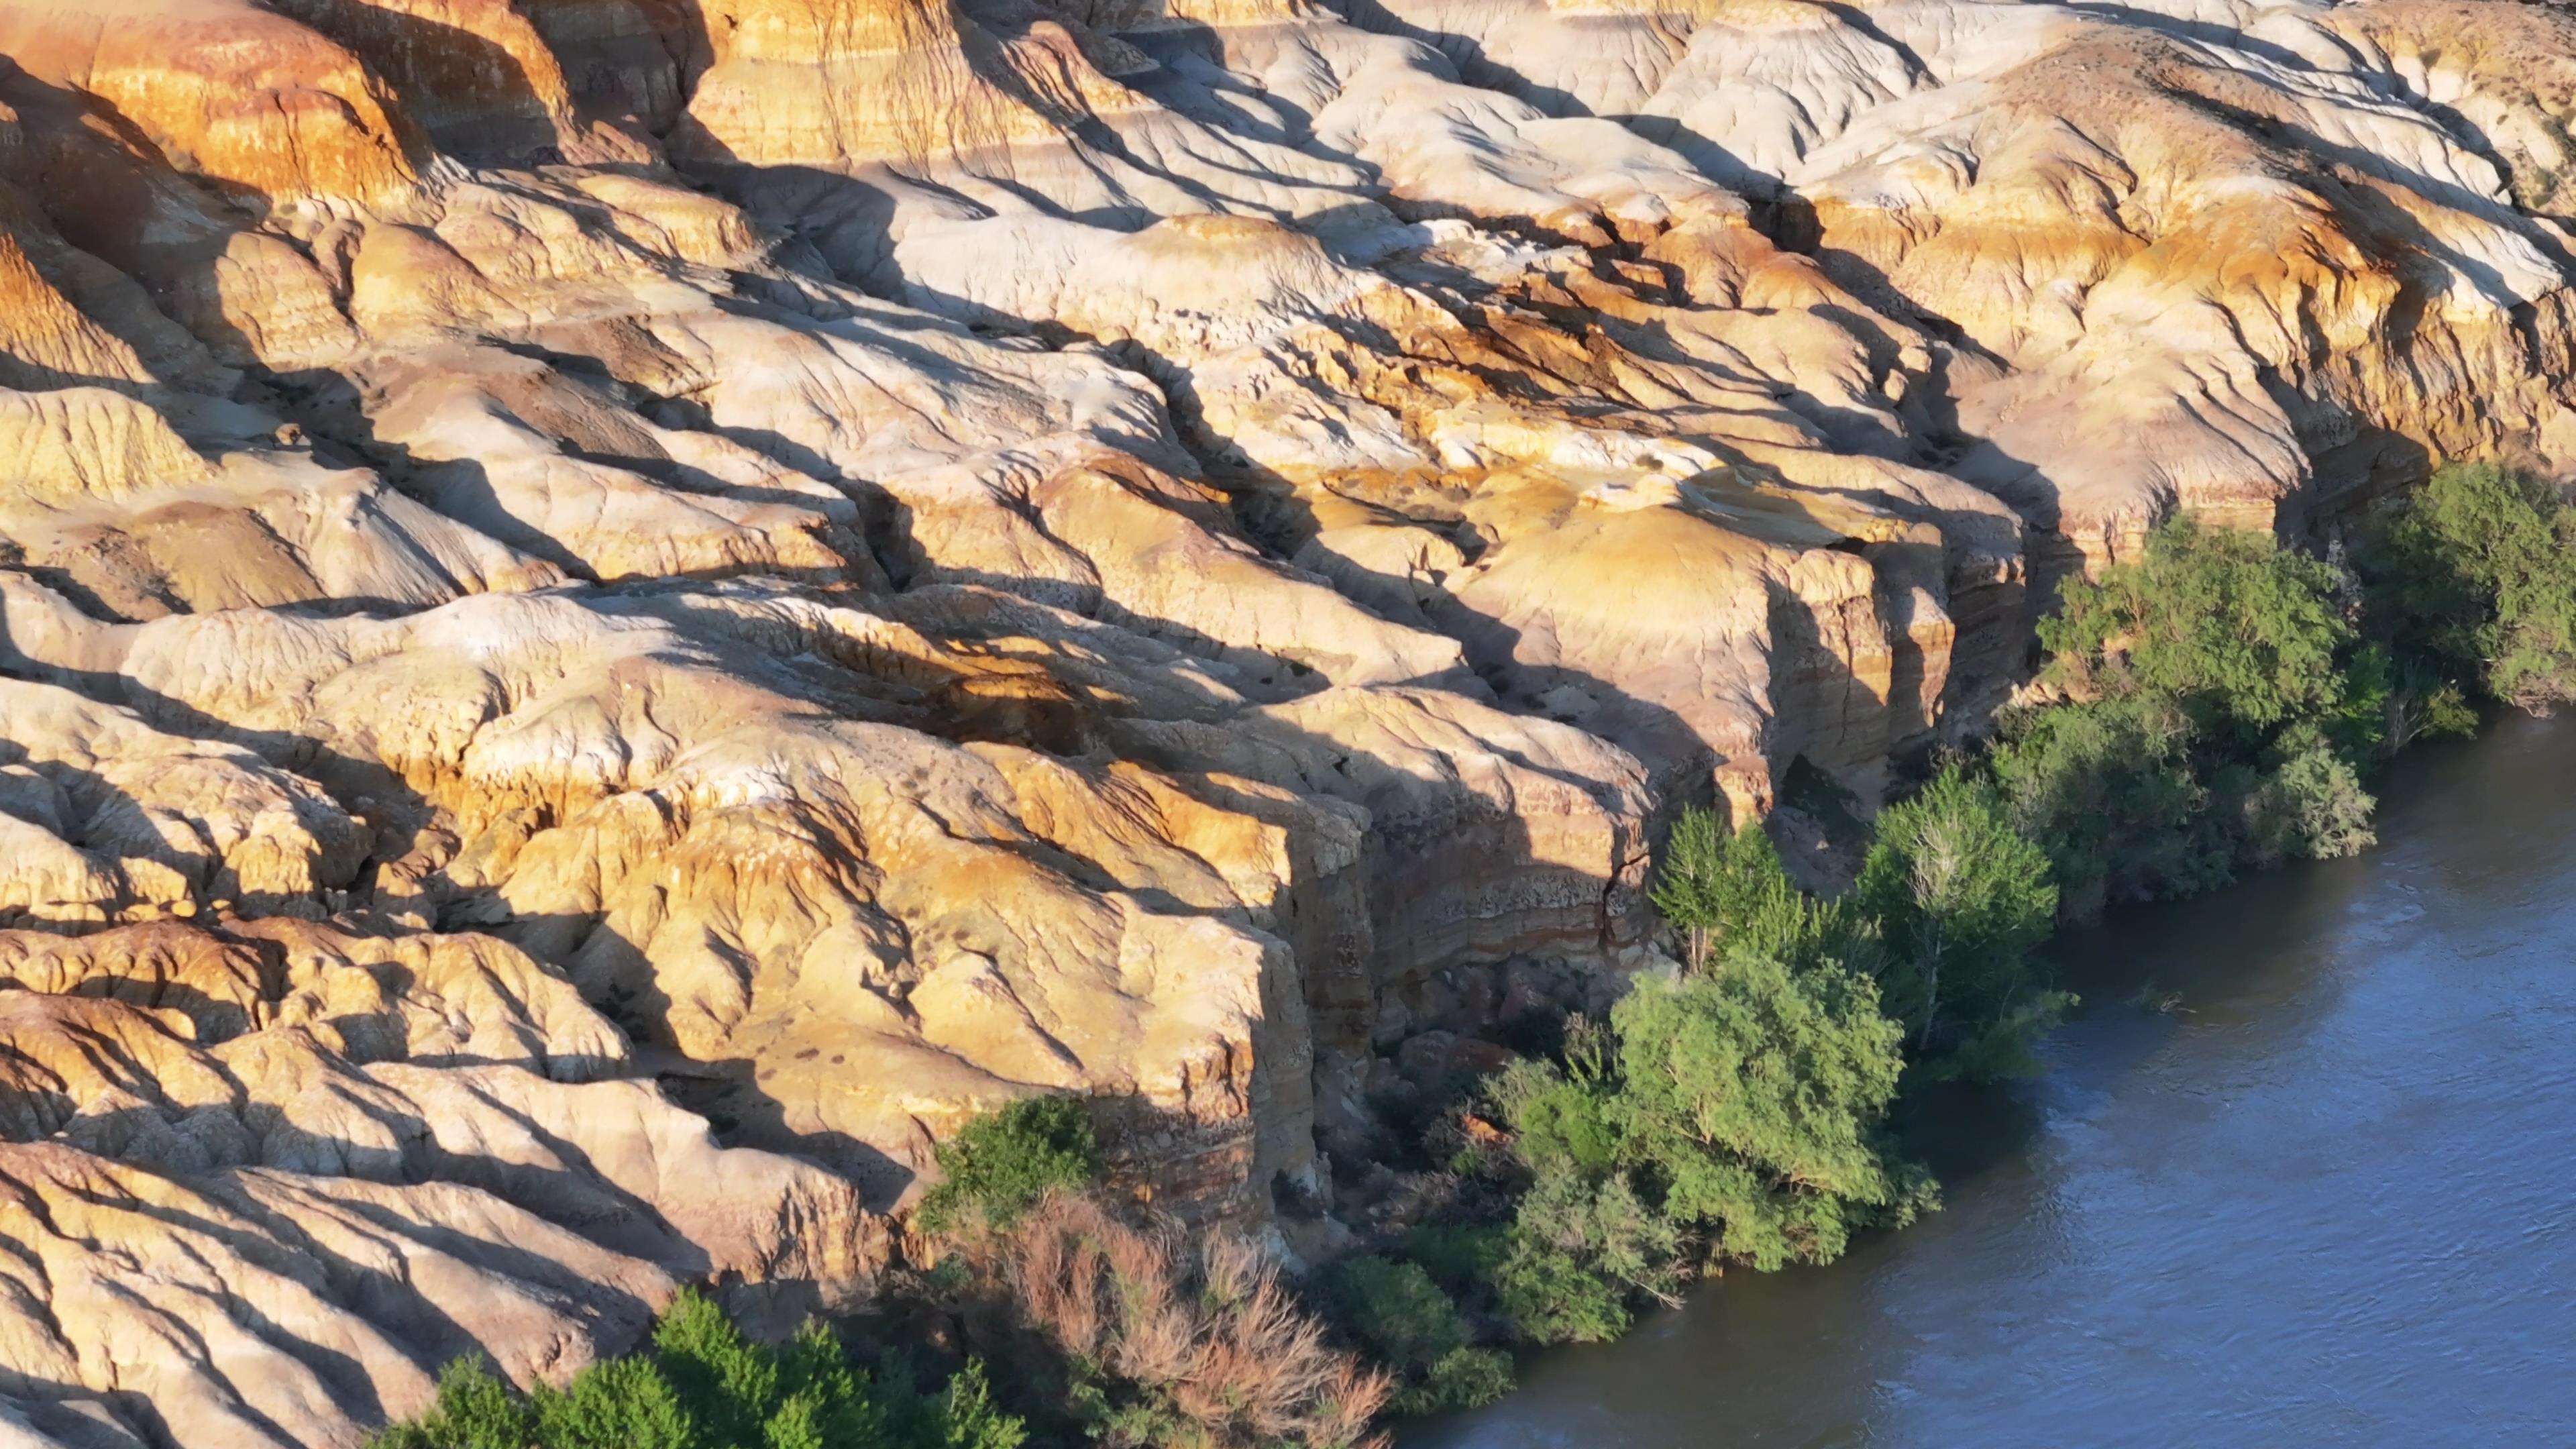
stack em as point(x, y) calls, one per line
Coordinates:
point(614, 615)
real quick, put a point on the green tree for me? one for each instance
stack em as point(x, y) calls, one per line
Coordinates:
point(1756, 1095)
point(1564, 1119)
point(622, 1403)
point(1543, 1293)
point(1738, 1107)
point(1396, 1310)
point(1726, 891)
point(2477, 576)
point(474, 1410)
point(2110, 790)
point(1962, 898)
point(999, 1166)
point(968, 1417)
point(1462, 1378)
point(2238, 630)
point(732, 1382)
point(2218, 706)
point(1581, 1241)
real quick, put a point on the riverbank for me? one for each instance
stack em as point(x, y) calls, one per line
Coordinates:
point(2206, 709)
point(2294, 1175)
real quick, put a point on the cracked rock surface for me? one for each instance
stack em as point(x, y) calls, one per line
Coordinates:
point(614, 614)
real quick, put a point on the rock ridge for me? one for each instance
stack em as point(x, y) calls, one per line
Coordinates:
point(616, 614)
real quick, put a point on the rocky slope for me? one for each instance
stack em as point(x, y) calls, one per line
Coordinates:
point(615, 613)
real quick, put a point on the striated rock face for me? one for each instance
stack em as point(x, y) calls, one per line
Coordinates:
point(614, 615)
point(257, 1180)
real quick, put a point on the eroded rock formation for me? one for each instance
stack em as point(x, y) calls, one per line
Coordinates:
point(613, 615)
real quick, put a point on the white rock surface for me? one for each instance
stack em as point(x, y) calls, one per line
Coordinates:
point(598, 644)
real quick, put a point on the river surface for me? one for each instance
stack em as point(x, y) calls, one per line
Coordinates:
point(2326, 1197)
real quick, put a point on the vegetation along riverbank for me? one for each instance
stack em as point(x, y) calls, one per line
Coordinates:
point(2214, 705)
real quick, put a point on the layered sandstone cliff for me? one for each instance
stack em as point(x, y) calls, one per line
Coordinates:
point(616, 613)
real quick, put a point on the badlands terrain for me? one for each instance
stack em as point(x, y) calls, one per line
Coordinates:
point(614, 614)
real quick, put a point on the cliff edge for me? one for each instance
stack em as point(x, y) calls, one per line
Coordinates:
point(615, 614)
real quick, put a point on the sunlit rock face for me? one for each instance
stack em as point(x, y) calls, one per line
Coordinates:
point(615, 614)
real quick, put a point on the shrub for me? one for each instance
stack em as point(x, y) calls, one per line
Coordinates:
point(2313, 806)
point(1409, 1323)
point(1173, 1343)
point(999, 1166)
point(702, 1385)
point(1463, 1378)
point(1604, 1225)
point(1550, 1295)
point(1562, 1124)
point(1396, 1311)
point(1962, 899)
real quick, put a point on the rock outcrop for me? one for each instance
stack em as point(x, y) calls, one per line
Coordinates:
point(614, 615)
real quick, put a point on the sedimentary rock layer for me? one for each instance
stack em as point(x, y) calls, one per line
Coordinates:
point(615, 615)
